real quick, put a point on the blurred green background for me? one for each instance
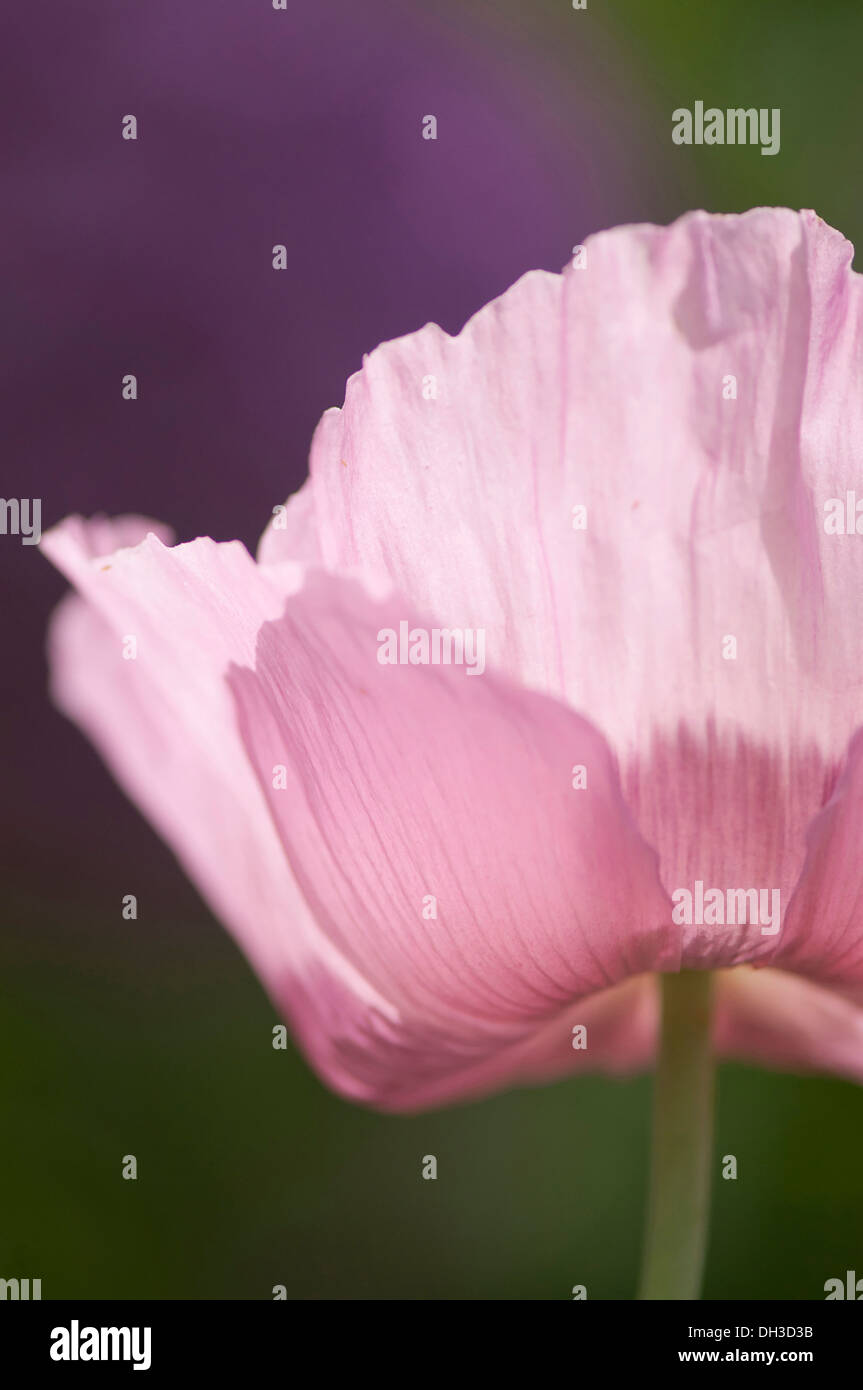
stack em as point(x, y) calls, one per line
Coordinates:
point(154, 1038)
point(251, 1174)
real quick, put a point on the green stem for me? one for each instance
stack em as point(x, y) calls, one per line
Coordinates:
point(679, 1204)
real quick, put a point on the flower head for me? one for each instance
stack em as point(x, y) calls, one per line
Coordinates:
point(624, 487)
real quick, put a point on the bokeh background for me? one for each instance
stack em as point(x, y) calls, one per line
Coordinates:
point(303, 127)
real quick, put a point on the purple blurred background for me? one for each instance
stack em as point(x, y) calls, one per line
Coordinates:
point(154, 257)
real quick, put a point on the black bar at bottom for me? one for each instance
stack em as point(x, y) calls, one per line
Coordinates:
point(161, 1338)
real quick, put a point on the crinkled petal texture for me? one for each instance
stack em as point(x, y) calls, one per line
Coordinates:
point(628, 478)
point(629, 475)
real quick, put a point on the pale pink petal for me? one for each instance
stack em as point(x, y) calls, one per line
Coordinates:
point(163, 720)
point(400, 1063)
point(822, 936)
point(788, 1023)
point(292, 533)
point(99, 536)
point(165, 723)
point(404, 791)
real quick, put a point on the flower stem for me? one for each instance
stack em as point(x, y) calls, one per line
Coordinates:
point(679, 1203)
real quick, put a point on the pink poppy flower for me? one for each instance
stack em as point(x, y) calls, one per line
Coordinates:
point(610, 508)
